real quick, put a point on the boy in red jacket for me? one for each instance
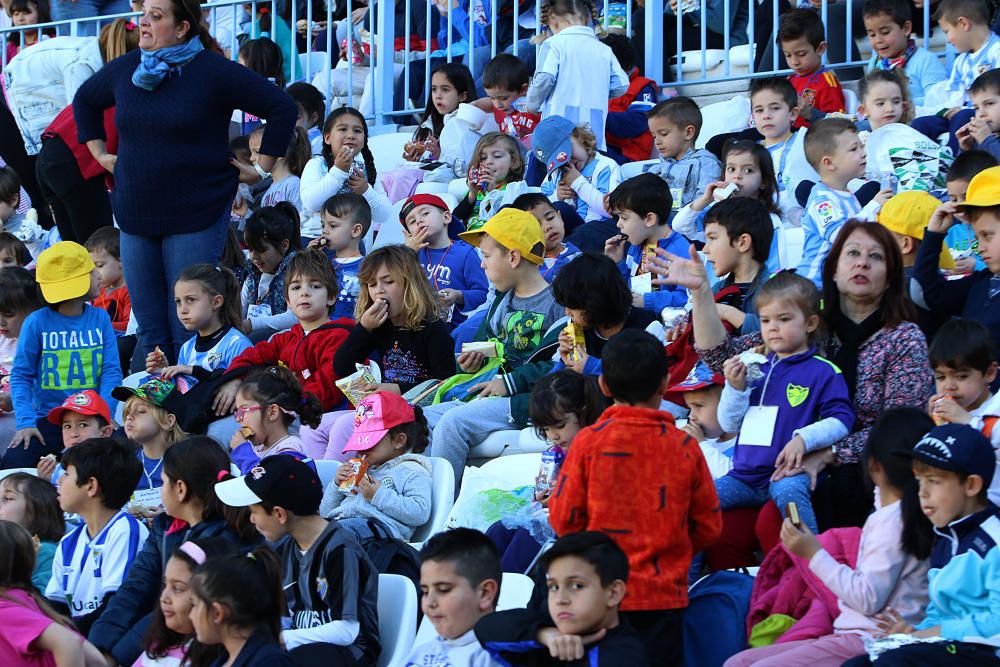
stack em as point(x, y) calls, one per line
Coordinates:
point(635, 476)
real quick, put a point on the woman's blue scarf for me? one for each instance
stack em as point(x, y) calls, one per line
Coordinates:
point(155, 65)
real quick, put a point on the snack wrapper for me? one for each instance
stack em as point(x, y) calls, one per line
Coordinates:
point(575, 332)
point(753, 361)
point(353, 385)
point(360, 469)
point(720, 194)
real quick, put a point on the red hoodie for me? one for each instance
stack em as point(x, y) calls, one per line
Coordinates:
point(309, 356)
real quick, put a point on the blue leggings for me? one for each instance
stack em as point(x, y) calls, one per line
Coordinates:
point(734, 493)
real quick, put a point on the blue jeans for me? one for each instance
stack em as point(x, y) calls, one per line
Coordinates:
point(457, 427)
point(63, 10)
point(152, 265)
point(734, 493)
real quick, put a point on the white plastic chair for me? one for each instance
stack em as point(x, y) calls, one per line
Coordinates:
point(431, 188)
point(326, 470)
point(391, 231)
point(397, 619)
point(850, 101)
point(311, 63)
point(517, 469)
point(442, 499)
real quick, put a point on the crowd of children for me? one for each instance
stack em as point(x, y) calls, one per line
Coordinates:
point(725, 353)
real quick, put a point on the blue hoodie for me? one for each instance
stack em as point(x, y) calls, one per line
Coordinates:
point(663, 295)
point(808, 390)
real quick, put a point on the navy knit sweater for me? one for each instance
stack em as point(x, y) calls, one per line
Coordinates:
point(173, 174)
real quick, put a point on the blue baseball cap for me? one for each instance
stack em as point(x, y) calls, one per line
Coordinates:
point(551, 142)
point(701, 376)
point(958, 448)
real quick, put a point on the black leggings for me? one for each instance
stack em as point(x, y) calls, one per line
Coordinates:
point(79, 206)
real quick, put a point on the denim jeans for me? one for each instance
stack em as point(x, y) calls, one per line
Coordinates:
point(152, 265)
point(63, 10)
point(735, 493)
point(457, 427)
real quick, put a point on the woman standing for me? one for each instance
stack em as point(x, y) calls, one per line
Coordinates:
point(174, 178)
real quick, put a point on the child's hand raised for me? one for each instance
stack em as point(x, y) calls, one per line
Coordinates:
point(344, 159)
point(964, 136)
point(357, 184)
point(412, 150)
point(317, 242)
point(614, 248)
point(693, 430)
point(344, 471)
point(248, 174)
point(567, 647)
point(883, 196)
point(702, 202)
point(432, 146)
point(46, 467)
point(799, 541)
point(944, 408)
point(417, 240)
point(736, 373)
point(677, 270)
point(376, 315)
point(943, 217)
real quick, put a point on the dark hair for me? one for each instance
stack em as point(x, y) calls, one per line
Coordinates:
point(107, 239)
point(628, 381)
point(594, 547)
point(309, 98)
point(790, 286)
point(248, 585)
point(530, 200)
point(17, 565)
point(264, 57)
point(823, 138)
point(987, 82)
point(159, 638)
point(273, 225)
point(472, 554)
point(10, 185)
point(42, 515)
point(16, 248)
point(352, 206)
point(643, 194)
point(366, 152)
point(190, 11)
point(197, 461)
point(299, 151)
point(563, 393)
point(976, 11)
point(797, 23)
point(768, 193)
point(460, 77)
point(507, 72)
point(962, 344)
point(418, 434)
point(898, 10)
point(969, 163)
point(896, 76)
point(681, 111)
point(276, 385)
point(217, 281)
point(900, 429)
point(778, 84)
point(896, 304)
point(592, 283)
point(584, 9)
point(240, 144)
point(111, 462)
point(232, 255)
point(743, 215)
point(312, 264)
point(19, 6)
point(623, 49)
point(18, 291)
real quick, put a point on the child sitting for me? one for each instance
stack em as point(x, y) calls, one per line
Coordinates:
point(802, 39)
point(312, 107)
point(627, 131)
point(835, 152)
point(268, 402)
point(675, 124)
point(450, 85)
point(18, 299)
point(891, 571)
point(643, 206)
point(389, 436)
point(32, 502)
point(101, 474)
point(494, 180)
point(954, 466)
point(329, 583)
point(558, 251)
point(585, 575)
point(459, 282)
point(630, 441)
point(961, 239)
point(576, 173)
point(774, 437)
point(459, 582)
point(104, 247)
point(505, 80)
point(889, 27)
point(13, 252)
point(980, 131)
point(82, 416)
point(272, 236)
point(702, 390)
point(346, 219)
point(68, 344)
point(16, 216)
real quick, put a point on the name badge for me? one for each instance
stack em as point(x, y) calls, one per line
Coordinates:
point(258, 310)
point(147, 498)
point(677, 194)
point(642, 283)
point(758, 426)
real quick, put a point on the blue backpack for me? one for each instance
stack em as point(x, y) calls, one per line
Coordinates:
point(715, 620)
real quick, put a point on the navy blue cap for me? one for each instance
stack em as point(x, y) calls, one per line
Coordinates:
point(282, 480)
point(958, 448)
point(551, 142)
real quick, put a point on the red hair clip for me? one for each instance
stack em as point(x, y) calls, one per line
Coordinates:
point(130, 26)
point(222, 475)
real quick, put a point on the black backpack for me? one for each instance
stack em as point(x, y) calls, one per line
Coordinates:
point(392, 556)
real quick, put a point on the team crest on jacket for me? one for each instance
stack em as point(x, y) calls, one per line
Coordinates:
point(321, 586)
point(796, 394)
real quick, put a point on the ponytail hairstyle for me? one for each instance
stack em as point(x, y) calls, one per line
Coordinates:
point(160, 639)
point(118, 38)
point(299, 151)
point(420, 304)
point(563, 393)
point(247, 587)
point(276, 385)
point(217, 281)
point(17, 564)
point(43, 518)
point(198, 461)
point(460, 77)
point(417, 432)
point(899, 429)
point(264, 57)
point(366, 152)
point(274, 226)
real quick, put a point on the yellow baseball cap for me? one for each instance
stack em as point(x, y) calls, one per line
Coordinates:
point(908, 213)
point(63, 272)
point(511, 228)
point(984, 188)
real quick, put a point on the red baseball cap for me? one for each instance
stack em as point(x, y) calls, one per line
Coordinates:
point(418, 200)
point(87, 402)
point(376, 414)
